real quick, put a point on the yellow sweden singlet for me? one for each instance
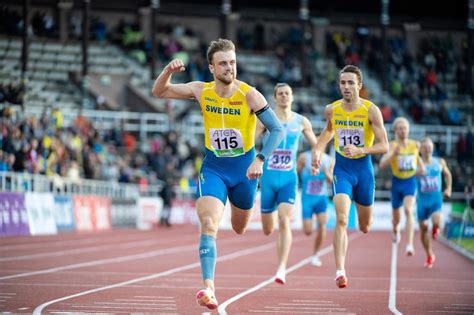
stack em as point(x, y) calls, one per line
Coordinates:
point(405, 162)
point(229, 124)
point(352, 127)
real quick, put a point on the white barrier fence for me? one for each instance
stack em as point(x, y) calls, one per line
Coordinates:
point(34, 213)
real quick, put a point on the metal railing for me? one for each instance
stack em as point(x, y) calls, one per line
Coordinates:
point(26, 182)
point(147, 124)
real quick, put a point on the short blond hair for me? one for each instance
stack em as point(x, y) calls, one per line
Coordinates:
point(427, 139)
point(399, 120)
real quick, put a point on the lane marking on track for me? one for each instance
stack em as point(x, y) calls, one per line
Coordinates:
point(112, 260)
point(237, 254)
point(392, 298)
point(222, 307)
point(93, 249)
point(72, 242)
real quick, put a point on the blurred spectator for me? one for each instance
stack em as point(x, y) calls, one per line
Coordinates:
point(387, 113)
point(462, 148)
point(129, 141)
point(57, 118)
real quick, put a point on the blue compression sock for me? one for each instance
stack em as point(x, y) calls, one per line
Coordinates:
point(207, 255)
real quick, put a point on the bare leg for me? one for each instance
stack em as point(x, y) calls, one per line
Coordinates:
point(285, 236)
point(268, 222)
point(364, 214)
point(209, 211)
point(425, 239)
point(436, 219)
point(395, 219)
point(240, 218)
point(321, 232)
point(408, 205)
point(342, 204)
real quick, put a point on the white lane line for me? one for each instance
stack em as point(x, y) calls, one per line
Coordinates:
point(93, 249)
point(222, 307)
point(236, 254)
point(71, 242)
point(102, 262)
point(110, 260)
point(392, 298)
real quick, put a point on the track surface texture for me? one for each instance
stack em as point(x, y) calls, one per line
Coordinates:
point(157, 272)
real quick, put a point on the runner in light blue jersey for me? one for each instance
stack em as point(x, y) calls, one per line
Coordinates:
point(430, 196)
point(315, 198)
point(279, 181)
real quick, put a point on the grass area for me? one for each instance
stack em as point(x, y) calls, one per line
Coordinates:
point(467, 244)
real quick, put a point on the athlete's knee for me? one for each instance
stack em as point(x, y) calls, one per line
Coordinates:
point(209, 225)
point(423, 228)
point(364, 228)
point(322, 230)
point(342, 220)
point(283, 222)
point(267, 230)
point(307, 231)
point(239, 228)
point(395, 220)
point(364, 225)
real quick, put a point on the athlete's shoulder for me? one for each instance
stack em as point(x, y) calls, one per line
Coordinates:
point(243, 87)
point(367, 103)
point(413, 143)
point(208, 85)
point(335, 104)
point(297, 117)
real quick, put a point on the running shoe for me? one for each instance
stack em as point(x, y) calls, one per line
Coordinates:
point(435, 232)
point(341, 281)
point(280, 276)
point(410, 250)
point(430, 261)
point(207, 298)
point(315, 261)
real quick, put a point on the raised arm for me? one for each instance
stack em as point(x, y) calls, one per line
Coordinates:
point(163, 87)
point(448, 178)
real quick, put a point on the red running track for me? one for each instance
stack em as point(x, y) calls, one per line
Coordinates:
point(157, 271)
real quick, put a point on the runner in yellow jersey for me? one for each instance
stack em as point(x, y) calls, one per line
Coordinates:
point(404, 159)
point(354, 123)
point(230, 168)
